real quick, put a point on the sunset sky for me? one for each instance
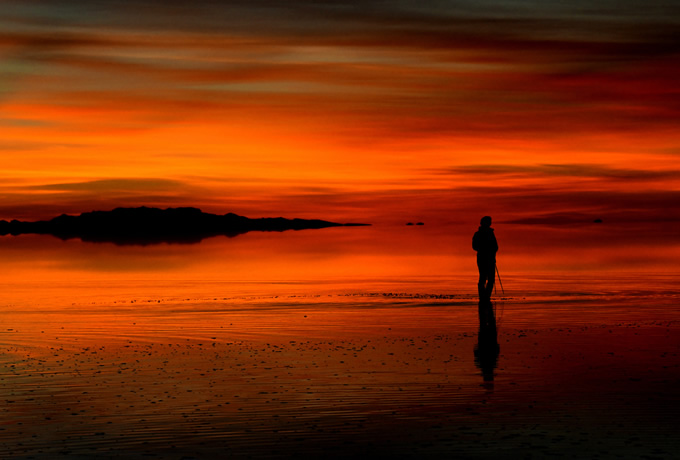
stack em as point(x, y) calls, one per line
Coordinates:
point(343, 110)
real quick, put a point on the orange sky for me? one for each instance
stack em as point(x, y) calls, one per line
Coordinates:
point(354, 111)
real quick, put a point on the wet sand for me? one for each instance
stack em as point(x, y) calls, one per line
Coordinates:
point(309, 379)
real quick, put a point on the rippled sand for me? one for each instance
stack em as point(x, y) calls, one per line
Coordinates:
point(314, 377)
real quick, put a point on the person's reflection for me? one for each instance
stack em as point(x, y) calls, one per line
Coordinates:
point(487, 348)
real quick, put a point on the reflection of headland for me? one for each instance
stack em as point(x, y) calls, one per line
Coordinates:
point(144, 226)
point(487, 348)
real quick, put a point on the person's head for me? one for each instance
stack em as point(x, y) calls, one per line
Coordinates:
point(485, 222)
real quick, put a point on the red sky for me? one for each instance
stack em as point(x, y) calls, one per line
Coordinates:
point(356, 111)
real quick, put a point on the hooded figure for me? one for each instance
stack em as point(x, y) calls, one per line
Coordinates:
point(484, 242)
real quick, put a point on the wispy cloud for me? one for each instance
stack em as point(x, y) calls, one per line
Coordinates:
point(601, 172)
point(421, 71)
point(42, 201)
point(113, 185)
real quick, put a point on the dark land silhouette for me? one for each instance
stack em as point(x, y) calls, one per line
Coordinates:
point(144, 226)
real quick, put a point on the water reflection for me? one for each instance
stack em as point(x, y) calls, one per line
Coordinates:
point(487, 349)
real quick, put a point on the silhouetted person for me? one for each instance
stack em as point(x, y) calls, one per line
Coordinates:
point(484, 242)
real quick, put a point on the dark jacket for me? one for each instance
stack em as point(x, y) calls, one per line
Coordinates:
point(484, 242)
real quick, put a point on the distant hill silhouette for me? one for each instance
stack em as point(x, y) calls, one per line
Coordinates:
point(143, 226)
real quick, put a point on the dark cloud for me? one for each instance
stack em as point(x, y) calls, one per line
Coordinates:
point(602, 172)
point(53, 41)
point(19, 146)
point(442, 24)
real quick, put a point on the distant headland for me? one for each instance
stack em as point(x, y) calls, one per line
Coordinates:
point(144, 226)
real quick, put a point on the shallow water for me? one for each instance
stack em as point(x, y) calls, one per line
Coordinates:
point(400, 381)
point(280, 345)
